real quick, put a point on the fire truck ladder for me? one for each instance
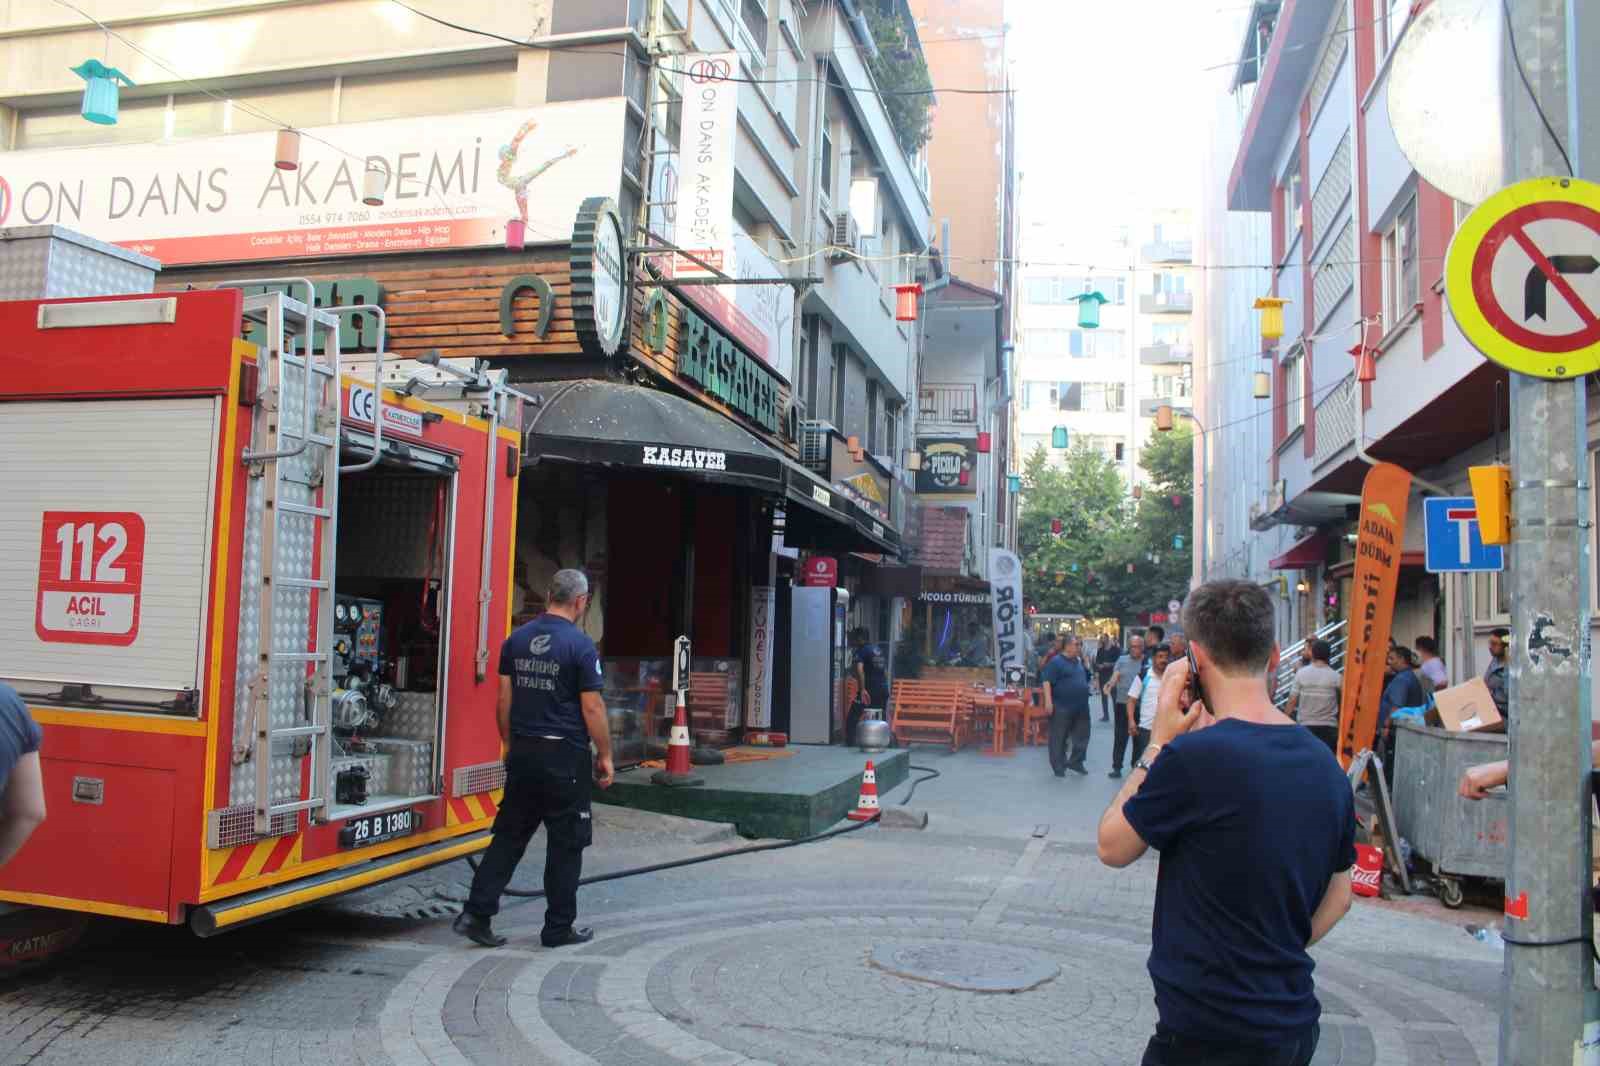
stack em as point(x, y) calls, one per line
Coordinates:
point(294, 458)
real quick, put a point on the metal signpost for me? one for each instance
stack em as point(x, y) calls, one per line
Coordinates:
point(1522, 288)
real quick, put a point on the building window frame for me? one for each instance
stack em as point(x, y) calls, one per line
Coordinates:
point(1294, 391)
point(1389, 19)
point(1401, 270)
point(1289, 190)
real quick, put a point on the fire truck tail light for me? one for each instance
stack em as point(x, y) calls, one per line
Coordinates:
point(163, 311)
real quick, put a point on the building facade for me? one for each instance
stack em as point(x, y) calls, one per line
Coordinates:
point(1104, 384)
point(552, 210)
point(1308, 197)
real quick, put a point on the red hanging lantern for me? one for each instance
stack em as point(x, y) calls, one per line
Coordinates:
point(1177, 501)
point(905, 302)
point(1055, 527)
point(1130, 568)
point(983, 442)
point(1366, 363)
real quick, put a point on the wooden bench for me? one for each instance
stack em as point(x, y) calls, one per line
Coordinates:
point(927, 712)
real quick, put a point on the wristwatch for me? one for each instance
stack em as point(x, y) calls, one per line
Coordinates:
point(1147, 758)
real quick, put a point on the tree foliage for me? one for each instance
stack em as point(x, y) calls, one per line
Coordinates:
point(902, 76)
point(1103, 533)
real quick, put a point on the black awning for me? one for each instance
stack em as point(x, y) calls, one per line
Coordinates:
point(823, 517)
point(605, 423)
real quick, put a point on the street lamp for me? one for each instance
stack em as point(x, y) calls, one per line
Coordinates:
point(1164, 423)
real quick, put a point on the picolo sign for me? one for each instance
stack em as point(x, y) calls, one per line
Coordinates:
point(1523, 277)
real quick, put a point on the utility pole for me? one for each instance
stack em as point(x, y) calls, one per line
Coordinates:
point(1548, 980)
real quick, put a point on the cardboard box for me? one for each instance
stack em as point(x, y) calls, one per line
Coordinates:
point(1466, 708)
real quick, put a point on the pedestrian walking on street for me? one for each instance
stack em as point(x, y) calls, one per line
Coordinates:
point(548, 713)
point(1142, 694)
point(1434, 674)
point(1068, 678)
point(1256, 830)
point(871, 671)
point(1314, 703)
point(1129, 666)
point(1105, 662)
point(21, 779)
point(1153, 636)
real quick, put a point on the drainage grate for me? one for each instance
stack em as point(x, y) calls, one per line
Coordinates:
point(230, 826)
point(484, 777)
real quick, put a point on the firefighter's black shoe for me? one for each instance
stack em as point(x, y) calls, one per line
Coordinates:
point(477, 930)
point(571, 936)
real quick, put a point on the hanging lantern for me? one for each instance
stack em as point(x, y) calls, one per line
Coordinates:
point(1130, 568)
point(1177, 500)
point(287, 157)
point(1164, 417)
point(1055, 527)
point(1177, 542)
point(984, 441)
point(1366, 363)
point(913, 460)
point(905, 302)
point(1058, 437)
point(100, 91)
point(1060, 577)
point(852, 444)
point(1261, 387)
point(1041, 571)
point(1271, 308)
point(1138, 491)
point(1089, 309)
point(1074, 568)
point(373, 182)
point(1014, 482)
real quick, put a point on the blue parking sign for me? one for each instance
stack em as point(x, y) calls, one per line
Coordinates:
point(1455, 543)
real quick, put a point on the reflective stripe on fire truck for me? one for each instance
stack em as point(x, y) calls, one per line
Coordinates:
point(466, 810)
point(246, 861)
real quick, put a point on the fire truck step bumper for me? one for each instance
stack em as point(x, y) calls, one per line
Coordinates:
point(221, 916)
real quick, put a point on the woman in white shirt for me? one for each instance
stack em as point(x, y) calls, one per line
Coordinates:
point(1142, 696)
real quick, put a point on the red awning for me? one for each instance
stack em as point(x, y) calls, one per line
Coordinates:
point(1308, 554)
point(1348, 567)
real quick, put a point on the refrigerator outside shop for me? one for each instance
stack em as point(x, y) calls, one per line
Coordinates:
point(812, 665)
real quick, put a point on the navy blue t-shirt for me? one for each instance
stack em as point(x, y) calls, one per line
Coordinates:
point(550, 662)
point(19, 734)
point(870, 658)
point(1251, 822)
point(1069, 683)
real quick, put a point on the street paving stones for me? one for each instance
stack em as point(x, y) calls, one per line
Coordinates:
point(875, 947)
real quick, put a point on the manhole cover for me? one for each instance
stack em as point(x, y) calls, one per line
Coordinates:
point(967, 966)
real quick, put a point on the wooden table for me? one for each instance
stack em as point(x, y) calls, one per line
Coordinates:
point(1003, 705)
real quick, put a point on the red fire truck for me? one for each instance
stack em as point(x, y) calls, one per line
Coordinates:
point(253, 597)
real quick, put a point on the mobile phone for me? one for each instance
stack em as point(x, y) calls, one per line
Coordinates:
point(1193, 685)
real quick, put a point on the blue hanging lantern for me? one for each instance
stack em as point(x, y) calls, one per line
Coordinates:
point(1177, 542)
point(1089, 309)
point(100, 91)
point(1058, 437)
point(1014, 481)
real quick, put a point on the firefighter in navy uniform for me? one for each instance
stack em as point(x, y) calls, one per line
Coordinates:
point(548, 712)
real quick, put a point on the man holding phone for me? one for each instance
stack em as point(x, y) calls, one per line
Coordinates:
point(1256, 830)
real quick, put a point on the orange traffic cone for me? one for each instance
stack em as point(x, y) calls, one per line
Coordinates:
point(867, 805)
point(680, 770)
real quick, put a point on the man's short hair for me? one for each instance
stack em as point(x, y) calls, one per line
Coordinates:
point(1428, 644)
point(1403, 653)
point(1161, 649)
point(1321, 651)
point(860, 635)
point(1161, 634)
point(1502, 633)
point(566, 587)
point(1233, 621)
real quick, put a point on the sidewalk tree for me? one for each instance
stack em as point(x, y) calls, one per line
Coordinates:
point(1165, 512)
point(1086, 493)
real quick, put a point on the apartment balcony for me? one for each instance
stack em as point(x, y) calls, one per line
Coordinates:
point(1182, 406)
point(1168, 252)
point(1175, 356)
point(1166, 303)
point(953, 404)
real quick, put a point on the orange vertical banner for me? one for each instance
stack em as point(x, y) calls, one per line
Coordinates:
point(1380, 539)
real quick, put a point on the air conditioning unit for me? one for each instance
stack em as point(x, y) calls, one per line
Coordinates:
point(846, 237)
point(814, 437)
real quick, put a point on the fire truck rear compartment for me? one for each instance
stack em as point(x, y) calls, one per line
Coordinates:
point(390, 623)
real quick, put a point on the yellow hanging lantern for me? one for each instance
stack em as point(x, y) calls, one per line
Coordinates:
point(1271, 308)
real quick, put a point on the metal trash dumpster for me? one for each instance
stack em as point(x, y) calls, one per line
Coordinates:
point(1458, 837)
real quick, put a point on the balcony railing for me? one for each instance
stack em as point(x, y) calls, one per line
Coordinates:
point(1166, 303)
point(1166, 355)
point(948, 403)
point(1336, 423)
point(1168, 252)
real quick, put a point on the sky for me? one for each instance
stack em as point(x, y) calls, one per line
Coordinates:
point(1110, 107)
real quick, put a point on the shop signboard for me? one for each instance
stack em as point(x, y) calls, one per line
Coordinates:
point(724, 371)
point(758, 691)
point(821, 571)
point(599, 277)
point(1005, 586)
point(949, 466)
point(861, 479)
point(704, 214)
point(452, 181)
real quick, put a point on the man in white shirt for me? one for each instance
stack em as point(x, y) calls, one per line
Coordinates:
point(1142, 699)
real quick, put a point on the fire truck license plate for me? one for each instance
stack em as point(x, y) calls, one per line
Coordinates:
point(376, 828)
